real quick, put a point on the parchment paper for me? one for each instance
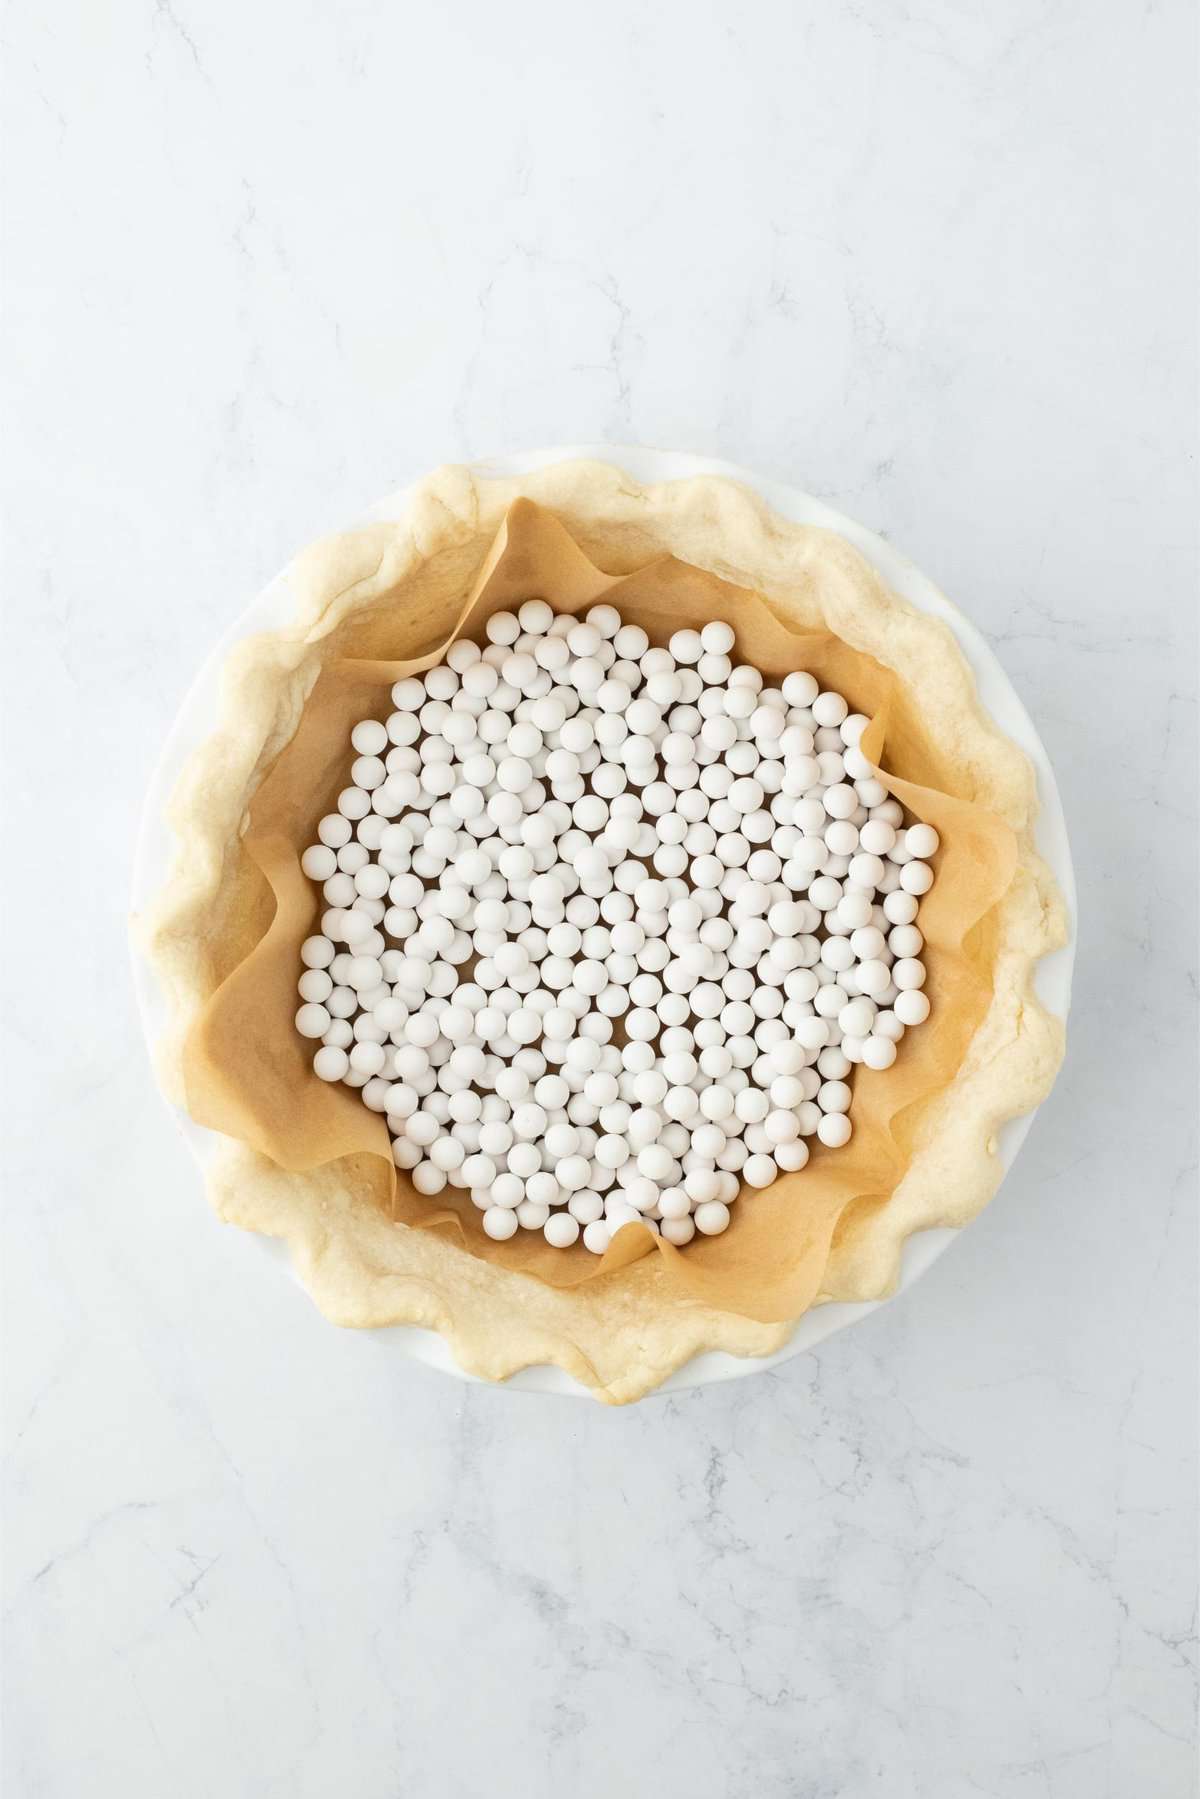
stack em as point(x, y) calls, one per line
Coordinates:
point(248, 1073)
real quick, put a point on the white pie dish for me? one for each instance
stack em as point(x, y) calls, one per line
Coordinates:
point(271, 609)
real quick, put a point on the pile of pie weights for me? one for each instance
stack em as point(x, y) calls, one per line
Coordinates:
point(608, 926)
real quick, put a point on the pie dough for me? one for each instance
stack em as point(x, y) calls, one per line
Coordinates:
point(623, 1334)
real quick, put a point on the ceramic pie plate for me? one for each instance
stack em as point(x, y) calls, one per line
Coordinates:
point(272, 608)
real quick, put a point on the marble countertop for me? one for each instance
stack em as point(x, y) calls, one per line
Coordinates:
point(936, 264)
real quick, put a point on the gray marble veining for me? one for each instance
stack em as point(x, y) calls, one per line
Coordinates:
point(936, 264)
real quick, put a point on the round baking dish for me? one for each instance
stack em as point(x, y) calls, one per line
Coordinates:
point(271, 609)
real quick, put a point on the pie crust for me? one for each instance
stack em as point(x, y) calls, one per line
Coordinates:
point(623, 1334)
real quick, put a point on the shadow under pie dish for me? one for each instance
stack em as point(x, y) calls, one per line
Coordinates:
point(309, 1163)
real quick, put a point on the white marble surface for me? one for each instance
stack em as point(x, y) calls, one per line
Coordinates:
point(264, 262)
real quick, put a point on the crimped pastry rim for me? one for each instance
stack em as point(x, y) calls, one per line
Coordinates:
point(560, 485)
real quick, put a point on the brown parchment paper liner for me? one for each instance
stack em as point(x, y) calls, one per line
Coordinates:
point(376, 605)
